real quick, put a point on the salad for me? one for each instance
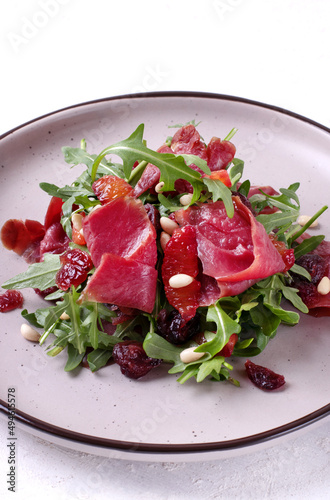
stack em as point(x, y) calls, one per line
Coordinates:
point(169, 256)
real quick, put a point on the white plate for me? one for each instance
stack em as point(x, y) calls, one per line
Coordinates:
point(105, 411)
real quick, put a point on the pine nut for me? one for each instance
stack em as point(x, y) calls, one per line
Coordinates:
point(303, 219)
point(77, 220)
point(159, 187)
point(168, 225)
point(188, 355)
point(95, 208)
point(180, 280)
point(30, 333)
point(64, 316)
point(324, 286)
point(164, 239)
point(186, 199)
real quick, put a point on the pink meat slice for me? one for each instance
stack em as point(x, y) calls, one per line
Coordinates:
point(151, 175)
point(122, 281)
point(219, 153)
point(232, 250)
point(121, 227)
point(55, 240)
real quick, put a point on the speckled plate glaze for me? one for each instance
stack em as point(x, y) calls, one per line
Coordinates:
point(105, 412)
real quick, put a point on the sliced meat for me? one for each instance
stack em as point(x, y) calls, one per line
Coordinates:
point(219, 153)
point(231, 250)
point(209, 291)
point(151, 175)
point(121, 227)
point(55, 240)
point(54, 212)
point(124, 282)
point(188, 141)
point(19, 236)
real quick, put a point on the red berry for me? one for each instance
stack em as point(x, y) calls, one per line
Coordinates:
point(75, 266)
point(262, 377)
point(11, 299)
point(132, 359)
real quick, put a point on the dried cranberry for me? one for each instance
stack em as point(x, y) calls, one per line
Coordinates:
point(44, 293)
point(307, 291)
point(172, 327)
point(11, 299)
point(317, 268)
point(315, 265)
point(132, 359)
point(262, 377)
point(154, 216)
point(245, 200)
point(75, 266)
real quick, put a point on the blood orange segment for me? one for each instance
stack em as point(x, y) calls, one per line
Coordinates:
point(11, 299)
point(109, 187)
point(220, 175)
point(287, 254)
point(180, 257)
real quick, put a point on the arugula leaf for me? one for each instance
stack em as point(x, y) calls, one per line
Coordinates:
point(40, 275)
point(74, 312)
point(76, 156)
point(264, 317)
point(236, 172)
point(225, 328)
point(245, 188)
point(74, 358)
point(220, 192)
point(157, 347)
point(276, 220)
point(171, 167)
point(98, 358)
point(308, 245)
point(209, 367)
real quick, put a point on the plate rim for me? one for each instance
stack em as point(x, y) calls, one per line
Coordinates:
point(177, 448)
point(166, 94)
point(163, 448)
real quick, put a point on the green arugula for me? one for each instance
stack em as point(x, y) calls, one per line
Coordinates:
point(254, 316)
point(40, 275)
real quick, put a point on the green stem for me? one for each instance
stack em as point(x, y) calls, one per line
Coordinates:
point(309, 223)
point(231, 134)
point(137, 171)
point(47, 332)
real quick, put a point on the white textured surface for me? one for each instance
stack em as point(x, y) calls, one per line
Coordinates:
point(55, 53)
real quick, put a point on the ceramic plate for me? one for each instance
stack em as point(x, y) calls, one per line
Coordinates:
point(157, 415)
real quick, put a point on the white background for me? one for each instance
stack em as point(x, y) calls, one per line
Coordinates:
point(58, 53)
